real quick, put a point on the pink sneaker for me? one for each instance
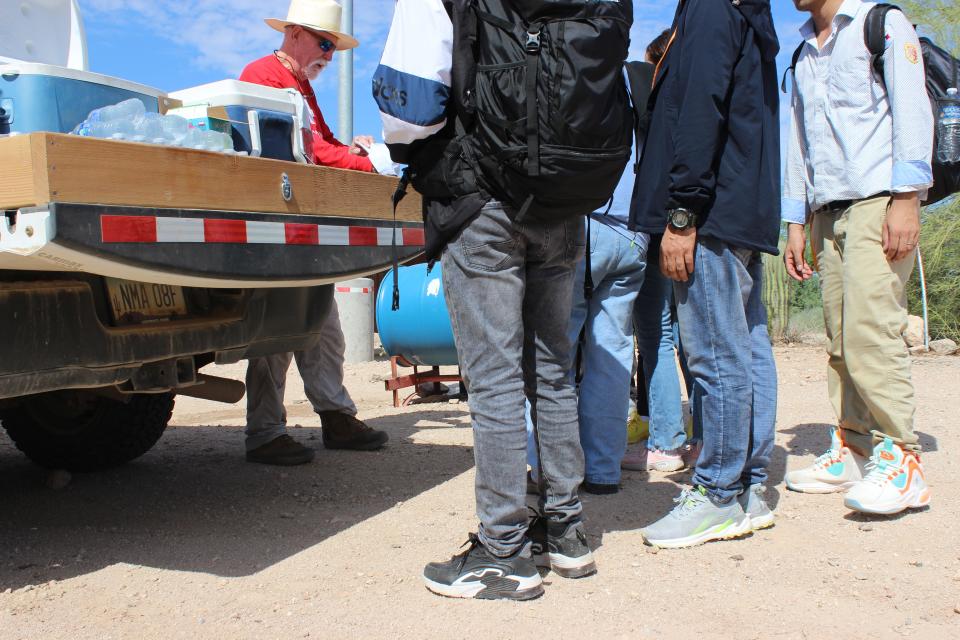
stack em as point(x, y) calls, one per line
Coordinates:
point(690, 452)
point(660, 460)
point(635, 459)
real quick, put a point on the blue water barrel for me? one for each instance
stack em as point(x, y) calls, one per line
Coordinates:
point(419, 330)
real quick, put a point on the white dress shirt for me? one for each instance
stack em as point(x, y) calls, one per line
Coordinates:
point(850, 138)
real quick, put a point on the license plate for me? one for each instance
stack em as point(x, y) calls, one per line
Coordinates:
point(139, 302)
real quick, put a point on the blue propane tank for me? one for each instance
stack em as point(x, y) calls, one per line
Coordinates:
point(420, 330)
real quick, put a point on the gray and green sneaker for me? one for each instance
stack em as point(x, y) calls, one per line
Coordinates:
point(697, 519)
point(756, 508)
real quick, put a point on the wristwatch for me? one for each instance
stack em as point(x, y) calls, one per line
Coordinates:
point(681, 218)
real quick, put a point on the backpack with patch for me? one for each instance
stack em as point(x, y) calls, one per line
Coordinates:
point(548, 126)
point(942, 72)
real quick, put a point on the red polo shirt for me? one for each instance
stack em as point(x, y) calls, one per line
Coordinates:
point(327, 150)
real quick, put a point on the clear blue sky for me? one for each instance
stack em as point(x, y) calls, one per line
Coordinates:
point(174, 44)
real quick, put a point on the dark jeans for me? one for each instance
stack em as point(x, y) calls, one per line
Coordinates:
point(508, 288)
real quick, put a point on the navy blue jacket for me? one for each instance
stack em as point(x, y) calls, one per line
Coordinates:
point(713, 146)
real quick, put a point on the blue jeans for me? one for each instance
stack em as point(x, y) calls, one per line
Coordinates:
point(723, 325)
point(654, 326)
point(508, 289)
point(617, 261)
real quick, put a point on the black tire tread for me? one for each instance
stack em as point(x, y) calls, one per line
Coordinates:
point(124, 431)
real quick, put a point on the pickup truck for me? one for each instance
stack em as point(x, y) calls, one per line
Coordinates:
point(126, 268)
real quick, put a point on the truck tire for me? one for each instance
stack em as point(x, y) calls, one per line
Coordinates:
point(79, 430)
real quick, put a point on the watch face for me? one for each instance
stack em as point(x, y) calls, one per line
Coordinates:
point(680, 218)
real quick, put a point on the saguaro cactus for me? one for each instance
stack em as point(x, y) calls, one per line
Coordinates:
point(776, 295)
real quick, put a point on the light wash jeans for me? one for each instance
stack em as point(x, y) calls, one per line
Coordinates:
point(723, 325)
point(654, 326)
point(617, 261)
point(320, 367)
point(508, 288)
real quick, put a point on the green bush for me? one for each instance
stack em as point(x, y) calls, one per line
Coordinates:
point(940, 248)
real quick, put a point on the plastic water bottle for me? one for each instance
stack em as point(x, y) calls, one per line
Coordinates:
point(129, 109)
point(175, 128)
point(948, 129)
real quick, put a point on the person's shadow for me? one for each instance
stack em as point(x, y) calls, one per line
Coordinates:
point(194, 504)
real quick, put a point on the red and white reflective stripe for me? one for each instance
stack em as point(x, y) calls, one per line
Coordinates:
point(353, 289)
point(153, 229)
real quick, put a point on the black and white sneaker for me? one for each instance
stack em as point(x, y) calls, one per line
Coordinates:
point(477, 573)
point(562, 548)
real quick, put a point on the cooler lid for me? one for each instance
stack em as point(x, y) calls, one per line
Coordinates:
point(45, 31)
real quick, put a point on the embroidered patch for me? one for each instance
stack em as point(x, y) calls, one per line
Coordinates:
point(910, 51)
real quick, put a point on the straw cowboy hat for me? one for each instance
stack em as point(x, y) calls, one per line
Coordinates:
point(315, 15)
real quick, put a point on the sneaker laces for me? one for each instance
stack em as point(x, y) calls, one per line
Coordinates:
point(473, 541)
point(827, 458)
point(686, 501)
point(878, 471)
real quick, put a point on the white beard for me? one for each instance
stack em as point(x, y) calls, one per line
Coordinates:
point(312, 71)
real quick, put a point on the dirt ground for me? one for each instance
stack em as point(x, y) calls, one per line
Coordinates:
point(190, 541)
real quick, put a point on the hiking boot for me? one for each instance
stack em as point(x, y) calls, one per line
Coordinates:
point(835, 470)
point(894, 482)
point(344, 431)
point(600, 488)
point(756, 508)
point(477, 573)
point(664, 460)
point(283, 451)
point(561, 547)
point(697, 519)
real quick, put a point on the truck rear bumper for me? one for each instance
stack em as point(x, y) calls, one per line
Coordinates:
point(199, 248)
point(54, 338)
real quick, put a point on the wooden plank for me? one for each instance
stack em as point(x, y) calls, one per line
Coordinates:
point(23, 182)
point(92, 171)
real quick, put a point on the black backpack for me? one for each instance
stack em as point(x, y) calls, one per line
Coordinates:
point(942, 72)
point(548, 123)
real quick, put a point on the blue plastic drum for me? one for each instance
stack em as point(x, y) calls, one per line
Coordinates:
point(419, 331)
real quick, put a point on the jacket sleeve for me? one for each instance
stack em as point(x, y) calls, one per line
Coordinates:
point(711, 40)
point(909, 107)
point(412, 83)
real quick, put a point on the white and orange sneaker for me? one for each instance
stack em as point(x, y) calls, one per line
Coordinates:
point(838, 469)
point(894, 482)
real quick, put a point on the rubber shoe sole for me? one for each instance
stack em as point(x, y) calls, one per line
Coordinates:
point(572, 568)
point(819, 487)
point(762, 522)
point(493, 588)
point(725, 531)
point(890, 508)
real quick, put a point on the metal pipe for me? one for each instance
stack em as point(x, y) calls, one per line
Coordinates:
point(345, 105)
point(923, 296)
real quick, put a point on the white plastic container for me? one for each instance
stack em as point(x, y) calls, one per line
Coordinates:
point(354, 300)
point(266, 121)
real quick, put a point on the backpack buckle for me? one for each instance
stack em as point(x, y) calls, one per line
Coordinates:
point(533, 42)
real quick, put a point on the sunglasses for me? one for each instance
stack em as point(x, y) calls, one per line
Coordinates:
point(325, 45)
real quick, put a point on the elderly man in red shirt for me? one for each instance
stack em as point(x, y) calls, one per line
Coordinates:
point(310, 37)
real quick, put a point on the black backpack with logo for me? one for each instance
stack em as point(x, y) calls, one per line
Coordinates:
point(942, 72)
point(544, 119)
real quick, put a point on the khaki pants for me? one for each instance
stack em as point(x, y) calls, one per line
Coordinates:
point(864, 309)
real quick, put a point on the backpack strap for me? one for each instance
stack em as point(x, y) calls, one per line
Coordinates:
point(875, 37)
point(532, 47)
point(793, 66)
